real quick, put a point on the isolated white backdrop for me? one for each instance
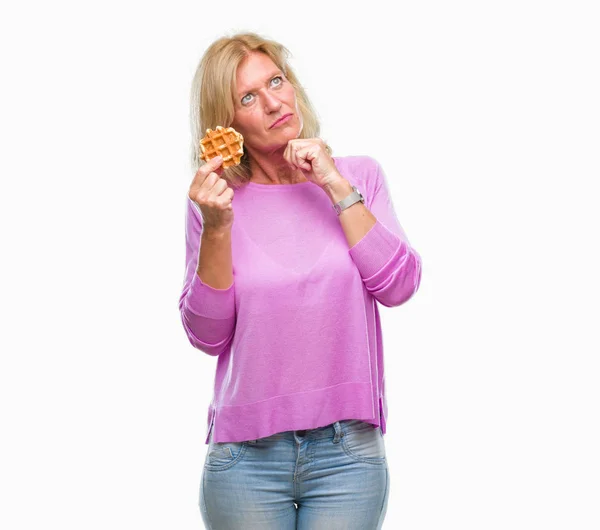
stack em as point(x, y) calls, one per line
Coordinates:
point(485, 118)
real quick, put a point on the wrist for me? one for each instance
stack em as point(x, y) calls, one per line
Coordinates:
point(338, 189)
point(215, 233)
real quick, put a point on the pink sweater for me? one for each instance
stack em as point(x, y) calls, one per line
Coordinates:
point(297, 336)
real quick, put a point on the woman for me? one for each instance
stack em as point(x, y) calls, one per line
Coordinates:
point(285, 299)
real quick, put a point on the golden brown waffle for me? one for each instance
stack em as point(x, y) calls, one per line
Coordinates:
point(225, 142)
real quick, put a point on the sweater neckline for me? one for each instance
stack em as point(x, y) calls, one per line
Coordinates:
point(276, 187)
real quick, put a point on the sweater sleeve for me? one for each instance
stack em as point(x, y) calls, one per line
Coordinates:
point(389, 267)
point(208, 314)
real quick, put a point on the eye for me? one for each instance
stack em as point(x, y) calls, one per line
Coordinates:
point(279, 78)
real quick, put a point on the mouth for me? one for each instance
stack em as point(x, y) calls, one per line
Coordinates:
point(283, 119)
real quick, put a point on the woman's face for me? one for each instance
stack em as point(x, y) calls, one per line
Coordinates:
point(264, 95)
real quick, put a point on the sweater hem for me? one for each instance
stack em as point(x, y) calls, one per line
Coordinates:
point(301, 411)
point(375, 250)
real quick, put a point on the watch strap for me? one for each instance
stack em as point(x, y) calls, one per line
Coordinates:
point(348, 201)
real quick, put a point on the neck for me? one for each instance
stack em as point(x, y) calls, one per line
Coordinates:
point(272, 168)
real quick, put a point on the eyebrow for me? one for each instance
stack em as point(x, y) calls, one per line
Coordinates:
point(244, 92)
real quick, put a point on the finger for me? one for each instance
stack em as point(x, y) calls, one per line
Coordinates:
point(294, 147)
point(215, 163)
point(204, 190)
point(290, 155)
point(295, 158)
point(224, 199)
point(219, 187)
point(298, 160)
point(208, 168)
point(287, 154)
point(227, 195)
point(305, 156)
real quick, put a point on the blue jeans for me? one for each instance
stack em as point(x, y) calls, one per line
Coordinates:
point(331, 478)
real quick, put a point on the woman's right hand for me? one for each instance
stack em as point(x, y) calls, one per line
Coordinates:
point(212, 194)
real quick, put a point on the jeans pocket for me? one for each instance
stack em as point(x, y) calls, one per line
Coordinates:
point(363, 442)
point(223, 455)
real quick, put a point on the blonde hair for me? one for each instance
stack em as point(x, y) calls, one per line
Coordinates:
point(214, 89)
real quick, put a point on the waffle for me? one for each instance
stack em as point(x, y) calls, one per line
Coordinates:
point(226, 142)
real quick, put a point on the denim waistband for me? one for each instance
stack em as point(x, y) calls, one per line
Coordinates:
point(334, 430)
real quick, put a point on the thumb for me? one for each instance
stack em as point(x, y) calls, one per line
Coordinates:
point(216, 163)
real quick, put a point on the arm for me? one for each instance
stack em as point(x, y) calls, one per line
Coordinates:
point(214, 263)
point(390, 268)
point(207, 307)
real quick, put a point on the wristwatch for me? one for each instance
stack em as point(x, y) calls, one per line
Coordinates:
point(348, 201)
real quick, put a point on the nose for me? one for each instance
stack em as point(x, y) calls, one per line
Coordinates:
point(272, 104)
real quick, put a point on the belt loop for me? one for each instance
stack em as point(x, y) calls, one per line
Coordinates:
point(338, 432)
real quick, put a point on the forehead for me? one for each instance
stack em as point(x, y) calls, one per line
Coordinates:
point(253, 70)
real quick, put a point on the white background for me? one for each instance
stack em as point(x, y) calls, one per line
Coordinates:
point(485, 117)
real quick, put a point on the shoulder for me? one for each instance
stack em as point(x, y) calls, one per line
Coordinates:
point(357, 162)
point(362, 171)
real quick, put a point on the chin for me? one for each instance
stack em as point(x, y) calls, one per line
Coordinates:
point(285, 136)
point(292, 134)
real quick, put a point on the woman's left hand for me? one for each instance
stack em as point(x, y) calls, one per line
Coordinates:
point(311, 157)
